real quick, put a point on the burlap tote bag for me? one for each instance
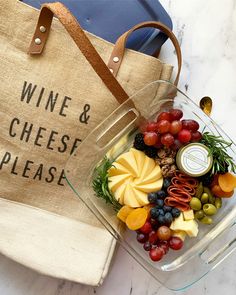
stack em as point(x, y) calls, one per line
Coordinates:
point(54, 82)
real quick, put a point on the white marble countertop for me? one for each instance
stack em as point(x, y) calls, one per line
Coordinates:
point(206, 31)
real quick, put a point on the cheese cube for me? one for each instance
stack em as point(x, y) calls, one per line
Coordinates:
point(188, 215)
point(190, 226)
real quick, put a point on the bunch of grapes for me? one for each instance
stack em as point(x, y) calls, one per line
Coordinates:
point(170, 131)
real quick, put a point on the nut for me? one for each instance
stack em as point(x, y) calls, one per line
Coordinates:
point(165, 170)
point(167, 161)
point(162, 153)
point(172, 170)
point(172, 154)
point(158, 161)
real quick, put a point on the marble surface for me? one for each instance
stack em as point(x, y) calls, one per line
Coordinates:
point(206, 31)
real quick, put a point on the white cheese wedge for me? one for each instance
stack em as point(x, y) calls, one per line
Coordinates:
point(150, 187)
point(129, 162)
point(153, 176)
point(141, 197)
point(188, 215)
point(115, 181)
point(119, 193)
point(190, 226)
point(140, 158)
point(130, 198)
point(117, 169)
point(149, 165)
point(192, 230)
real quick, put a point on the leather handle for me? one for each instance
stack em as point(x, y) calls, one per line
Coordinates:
point(119, 49)
point(77, 34)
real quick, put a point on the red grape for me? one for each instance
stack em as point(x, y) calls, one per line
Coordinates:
point(164, 233)
point(196, 136)
point(147, 246)
point(190, 125)
point(175, 243)
point(150, 138)
point(164, 116)
point(184, 136)
point(175, 127)
point(153, 237)
point(164, 246)
point(146, 228)
point(163, 126)
point(152, 126)
point(176, 145)
point(176, 114)
point(167, 139)
point(142, 238)
point(156, 254)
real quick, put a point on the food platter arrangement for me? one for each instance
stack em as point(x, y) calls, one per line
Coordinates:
point(163, 185)
point(173, 178)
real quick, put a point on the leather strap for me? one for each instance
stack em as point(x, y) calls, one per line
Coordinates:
point(77, 34)
point(119, 49)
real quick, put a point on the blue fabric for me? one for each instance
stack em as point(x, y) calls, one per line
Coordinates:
point(110, 18)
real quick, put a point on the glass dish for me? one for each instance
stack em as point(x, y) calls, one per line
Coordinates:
point(115, 135)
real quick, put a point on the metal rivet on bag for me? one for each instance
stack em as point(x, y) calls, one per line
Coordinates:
point(111, 70)
point(37, 41)
point(42, 29)
point(116, 59)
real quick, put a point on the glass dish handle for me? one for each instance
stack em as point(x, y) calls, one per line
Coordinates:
point(220, 248)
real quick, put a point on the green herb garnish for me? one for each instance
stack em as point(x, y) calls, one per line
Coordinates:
point(222, 161)
point(100, 183)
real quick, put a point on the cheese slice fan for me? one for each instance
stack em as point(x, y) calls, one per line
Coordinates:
point(129, 162)
point(153, 176)
point(117, 169)
point(140, 158)
point(150, 187)
point(119, 193)
point(149, 165)
point(141, 197)
point(130, 198)
point(116, 181)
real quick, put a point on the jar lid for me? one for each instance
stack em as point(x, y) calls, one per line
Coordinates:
point(194, 159)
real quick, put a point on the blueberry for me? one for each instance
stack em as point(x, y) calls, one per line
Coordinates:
point(167, 208)
point(161, 212)
point(161, 219)
point(168, 218)
point(159, 203)
point(175, 212)
point(154, 213)
point(166, 183)
point(161, 194)
point(152, 197)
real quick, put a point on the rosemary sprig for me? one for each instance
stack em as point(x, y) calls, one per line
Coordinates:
point(100, 184)
point(218, 149)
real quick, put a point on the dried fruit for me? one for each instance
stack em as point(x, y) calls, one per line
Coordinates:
point(227, 182)
point(136, 218)
point(217, 191)
point(124, 212)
